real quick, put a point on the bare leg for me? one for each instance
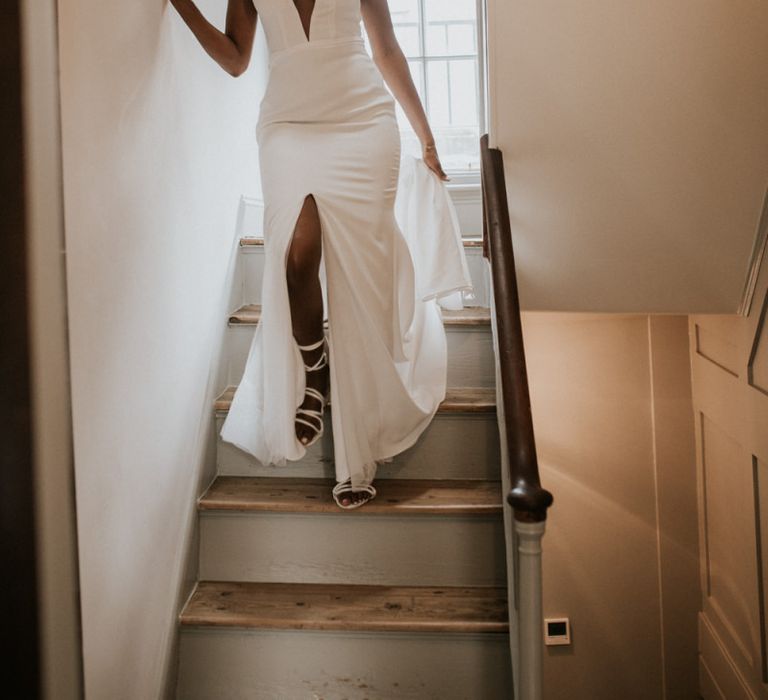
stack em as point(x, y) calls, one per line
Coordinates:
point(306, 302)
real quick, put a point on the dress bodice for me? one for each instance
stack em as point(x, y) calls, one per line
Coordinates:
point(332, 20)
point(328, 78)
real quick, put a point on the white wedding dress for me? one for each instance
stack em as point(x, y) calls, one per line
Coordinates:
point(327, 127)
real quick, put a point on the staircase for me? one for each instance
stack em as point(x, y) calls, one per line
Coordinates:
point(404, 598)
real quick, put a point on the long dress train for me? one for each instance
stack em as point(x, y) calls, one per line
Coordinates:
point(327, 127)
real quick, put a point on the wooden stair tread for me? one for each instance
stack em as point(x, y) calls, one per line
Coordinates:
point(313, 495)
point(457, 400)
point(347, 607)
point(468, 316)
point(258, 241)
point(250, 314)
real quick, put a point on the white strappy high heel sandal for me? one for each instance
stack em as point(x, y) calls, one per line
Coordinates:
point(345, 486)
point(315, 416)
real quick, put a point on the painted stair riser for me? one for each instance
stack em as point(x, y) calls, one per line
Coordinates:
point(454, 446)
point(350, 547)
point(239, 664)
point(470, 354)
point(252, 270)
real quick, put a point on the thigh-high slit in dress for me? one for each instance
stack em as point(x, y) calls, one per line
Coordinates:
point(327, 127)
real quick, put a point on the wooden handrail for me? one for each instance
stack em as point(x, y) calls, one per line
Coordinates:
point(526, 496)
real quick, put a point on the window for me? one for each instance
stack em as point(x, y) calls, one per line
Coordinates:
point(440, 39)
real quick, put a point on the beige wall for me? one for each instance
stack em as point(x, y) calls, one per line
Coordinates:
point(636, 149)
point(158, 147)
point(614, 427)
point(730, 389)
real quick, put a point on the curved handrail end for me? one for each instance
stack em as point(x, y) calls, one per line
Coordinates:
point(530, 502)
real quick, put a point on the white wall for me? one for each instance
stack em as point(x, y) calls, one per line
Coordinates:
point(635, 138)
point(159, 145)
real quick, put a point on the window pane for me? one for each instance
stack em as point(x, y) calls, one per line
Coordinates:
point(418, 80)
point(463, 92)
point(462, 38)
point(454, 112)
point(444, 38)
point(437, 39)
point(404, 11)
point(408, 38)
point(458, 148)
point(450, 27)
point(438, 94)
point(447, 10)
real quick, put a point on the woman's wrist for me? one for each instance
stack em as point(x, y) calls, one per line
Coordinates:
point(426, 137)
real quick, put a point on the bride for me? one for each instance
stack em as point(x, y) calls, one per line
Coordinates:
point(329, 154)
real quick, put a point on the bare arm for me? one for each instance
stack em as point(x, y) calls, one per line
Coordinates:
point(392, 64)
point(231, 49)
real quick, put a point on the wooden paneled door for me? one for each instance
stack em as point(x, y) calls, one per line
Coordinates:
point(729, 357)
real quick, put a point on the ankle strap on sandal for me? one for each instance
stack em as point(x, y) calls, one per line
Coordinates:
point(322, 361)
point(313, 346)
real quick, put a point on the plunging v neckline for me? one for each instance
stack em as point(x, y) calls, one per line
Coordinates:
point(308, 33)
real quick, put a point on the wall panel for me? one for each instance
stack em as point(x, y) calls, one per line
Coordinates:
point(614, 427)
